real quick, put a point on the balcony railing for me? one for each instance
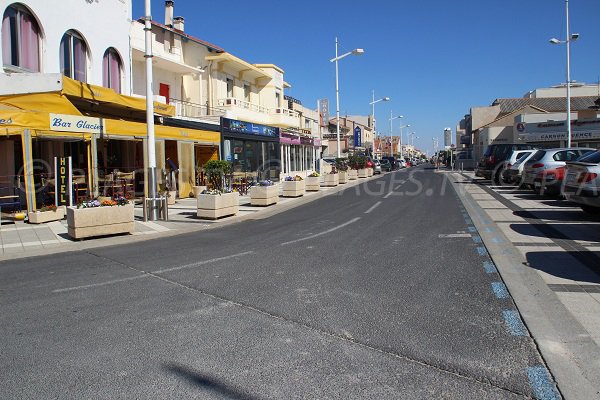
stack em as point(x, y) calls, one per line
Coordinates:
point(185, 109)
point(229, 102)
point(285, 111)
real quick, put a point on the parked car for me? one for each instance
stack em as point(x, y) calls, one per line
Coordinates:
point(514, 172)
point(464, 160)
point(549, 181)
point(370, 163)
point(385, 165)
point(495, 155)
point(401, 163)
point(392, 161)
point(582, 182)
point(549, 159)
point(376, 167)
point(514, 158)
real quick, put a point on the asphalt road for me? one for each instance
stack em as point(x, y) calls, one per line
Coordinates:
point(378, 292)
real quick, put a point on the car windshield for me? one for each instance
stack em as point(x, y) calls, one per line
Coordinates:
point(538, 155)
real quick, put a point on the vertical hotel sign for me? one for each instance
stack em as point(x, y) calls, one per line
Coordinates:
point(63, 174)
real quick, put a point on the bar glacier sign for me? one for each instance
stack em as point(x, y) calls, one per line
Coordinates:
point(75, 123)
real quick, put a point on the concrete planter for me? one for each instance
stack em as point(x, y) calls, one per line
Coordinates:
point(313, 183)
point(363, 173)
point(370, 172)
point(213, 206)
point(293, 188)
point(264, 195)
point(343, 177)
point(332, 179)
point(98, 221)
point(352, 175)
point(196, 190)
point(172, 197)
point(40, 217)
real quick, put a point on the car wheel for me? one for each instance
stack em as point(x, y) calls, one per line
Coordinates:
point(591, 209)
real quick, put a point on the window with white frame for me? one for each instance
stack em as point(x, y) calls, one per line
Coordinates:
point(111, 70)
point(307, 123)
point(20, 39)
point(73, 56)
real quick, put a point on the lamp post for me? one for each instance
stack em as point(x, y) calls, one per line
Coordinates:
point(392, 131)
point(570, 38)
point(153, 214)
point(401, 149)
point(372, 103)
point(355, 52)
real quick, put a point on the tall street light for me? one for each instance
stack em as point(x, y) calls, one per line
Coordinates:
point(570, 38)
point(355, 52)
point(392, 131)
point(373, 116)
point(153, 215)
point(401, 149)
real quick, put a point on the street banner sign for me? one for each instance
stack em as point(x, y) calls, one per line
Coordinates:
point(357, 137)
point(63, 181)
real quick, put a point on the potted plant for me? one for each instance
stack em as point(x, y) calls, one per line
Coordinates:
point(332, 178)
point(293, 186)
point(96, 218)
point(341, 164)
point(198, 187)
point(47, 214)
point(352, 168)
point(264, 193)
point(313, 182)
point(361, 164)
point(217, 201)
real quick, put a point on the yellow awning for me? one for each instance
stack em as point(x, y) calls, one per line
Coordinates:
point(46, 102)
point(126, 128)
point(101, 94)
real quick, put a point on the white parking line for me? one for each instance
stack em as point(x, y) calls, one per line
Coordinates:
point(322, 233)
point(373, 207)
point(197, 264)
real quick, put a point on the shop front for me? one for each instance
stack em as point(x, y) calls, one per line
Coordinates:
point(553, 134)
point(299, 154)
point(253, 150)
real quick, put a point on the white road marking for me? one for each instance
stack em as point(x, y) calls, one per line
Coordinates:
point(454, 235)
point(197, 264)
point(151, 274)
point(388, 195)
point(373, 207)
point(322, 233)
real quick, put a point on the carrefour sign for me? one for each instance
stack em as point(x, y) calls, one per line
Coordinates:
point(75, 123)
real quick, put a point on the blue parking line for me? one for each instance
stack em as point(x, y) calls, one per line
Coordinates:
point(489, 267)
point(542, 384)
point(476, 239)
point(468, 221)
point(500, 290)
point(481, 251)
point(472, 229)
point(514, 323)
point(496, 240)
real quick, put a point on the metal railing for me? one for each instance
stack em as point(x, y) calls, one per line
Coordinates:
point(285, 111)
point(187, 109)
point(231, 102)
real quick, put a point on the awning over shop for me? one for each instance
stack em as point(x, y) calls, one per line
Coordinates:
point(76, 98)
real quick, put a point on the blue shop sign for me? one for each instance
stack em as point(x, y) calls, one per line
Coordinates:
point(248, 128)
point(357, 137)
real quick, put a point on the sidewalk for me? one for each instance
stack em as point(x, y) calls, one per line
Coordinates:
point(547, 254)
point(20, 239)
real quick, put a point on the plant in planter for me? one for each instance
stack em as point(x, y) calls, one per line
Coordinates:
point(96, 218)
point(293, 186)
point(341, 165)
point(331, 179)
point(217, 201)
point(47, 213)
point(264, 193)
point(361, 163)
point(313, 182)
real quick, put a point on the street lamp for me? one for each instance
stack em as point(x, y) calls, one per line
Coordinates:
point(373, 116)
point(355, 52)
point(570, 38)
point(401, 149)
point(392, 131)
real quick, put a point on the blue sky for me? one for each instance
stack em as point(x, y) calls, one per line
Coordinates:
point(434, 58)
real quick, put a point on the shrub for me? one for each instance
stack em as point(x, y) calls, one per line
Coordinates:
point(215, 171)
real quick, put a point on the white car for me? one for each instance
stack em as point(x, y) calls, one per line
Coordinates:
point(513, 168)
point(582, 182)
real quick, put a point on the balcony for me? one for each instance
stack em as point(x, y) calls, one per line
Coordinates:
point(246, 111)
point(285, 117)
point(196, 112)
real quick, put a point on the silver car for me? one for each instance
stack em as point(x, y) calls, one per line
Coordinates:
point(376, 167)
point(582, 182)
point(550, 158)
point(513, 166)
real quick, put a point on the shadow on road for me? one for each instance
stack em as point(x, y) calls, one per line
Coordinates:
point(206, 382)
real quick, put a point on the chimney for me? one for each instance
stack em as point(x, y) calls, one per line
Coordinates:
point(178, 23)
point(169, 13)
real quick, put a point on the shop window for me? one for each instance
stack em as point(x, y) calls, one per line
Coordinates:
point(73, 56)
point(20, 39)
point(111, 70)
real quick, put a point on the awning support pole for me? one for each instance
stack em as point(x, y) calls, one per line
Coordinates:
point(28, 170)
